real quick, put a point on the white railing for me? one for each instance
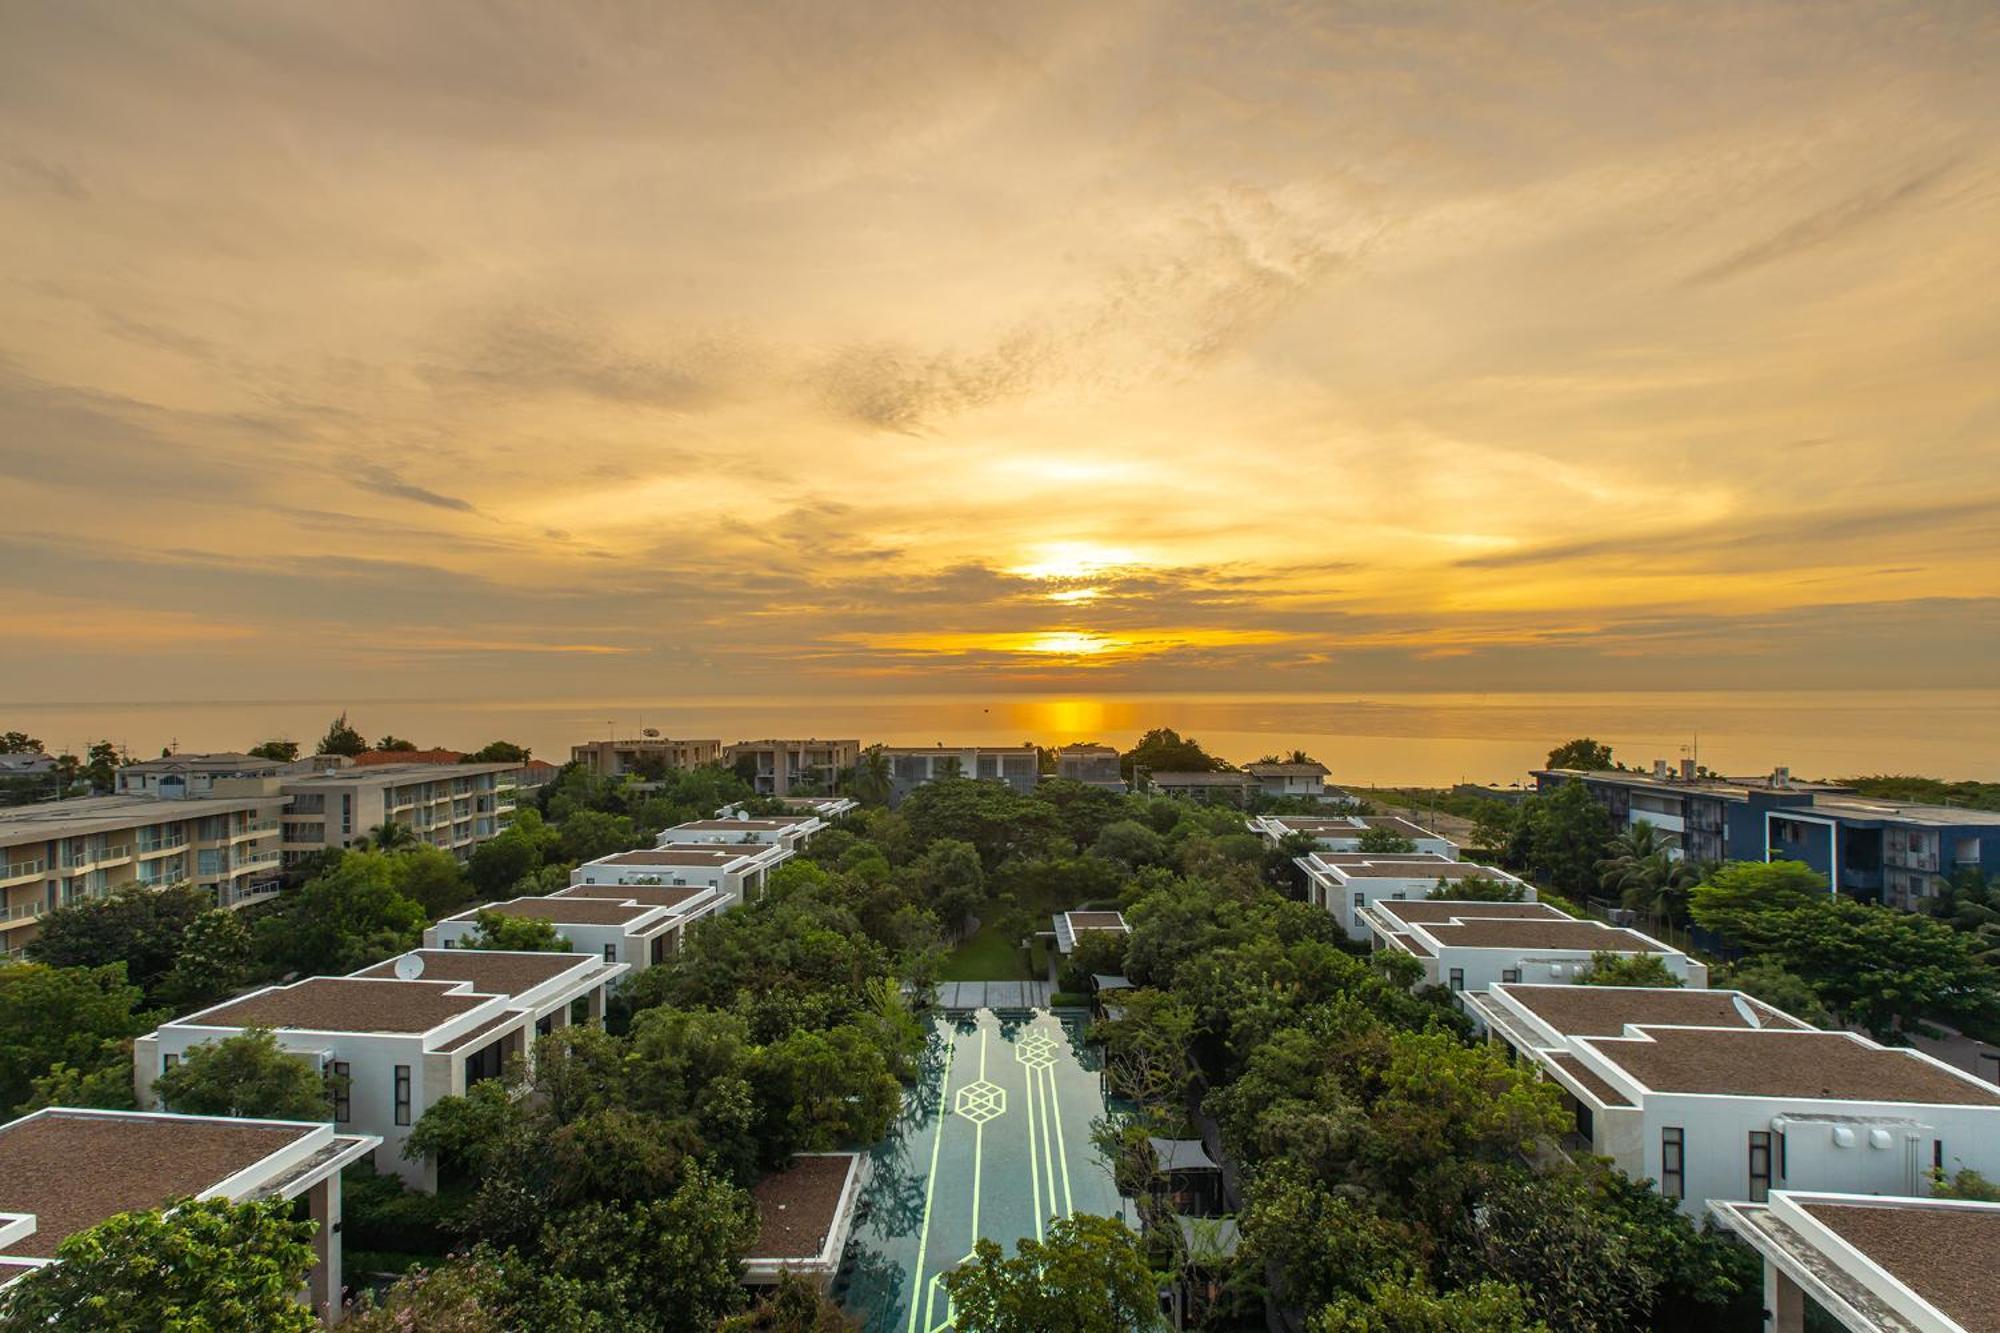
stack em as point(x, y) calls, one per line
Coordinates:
point(176, 842)
point(23, 869)
point(25, 912)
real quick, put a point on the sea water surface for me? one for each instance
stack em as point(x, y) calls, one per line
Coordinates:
point(1382, 738)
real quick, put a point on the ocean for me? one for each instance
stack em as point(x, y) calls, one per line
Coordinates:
point(1366, 739)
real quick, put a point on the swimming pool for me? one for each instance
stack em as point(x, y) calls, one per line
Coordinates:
point(994, 1141)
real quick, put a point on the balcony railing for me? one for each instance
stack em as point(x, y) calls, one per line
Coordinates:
point(23, 869)
point(24, 912)
point(174, 843)
point(77, 860)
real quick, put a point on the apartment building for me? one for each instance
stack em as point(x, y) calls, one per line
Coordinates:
point(735, 871)
point(911, 766)
point(824, 808)
point(618, 927)
point(67, 852)
point(791, 832)
point(451, 806)
point(810, 767)
point(1469, 946)
point(1715, 1096)
point(1347, 883)
point(1885, 851)
point(402, 1034)
point(64, 1170)
point(1343, 833)
point(174, 776)
point(1874, 1265)
point(617, 759)
point(1091, 764)
point(1280, 779)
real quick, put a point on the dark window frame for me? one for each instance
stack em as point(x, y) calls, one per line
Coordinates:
point(1673, 1162)
point(1762, 1160)
point(402, 1094)
point(343, 1092)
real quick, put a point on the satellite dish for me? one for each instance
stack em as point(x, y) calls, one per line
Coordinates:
point(651, 733)
point(409, 967)
point(1747, 1012)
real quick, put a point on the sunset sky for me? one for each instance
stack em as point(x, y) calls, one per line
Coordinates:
point(879, 347)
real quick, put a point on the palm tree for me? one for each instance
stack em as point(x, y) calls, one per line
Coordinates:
point(1298, 757)
point(951, 766)
point(874, 779)
point(392, 836)
point(1643, 871)
point(1970, 902)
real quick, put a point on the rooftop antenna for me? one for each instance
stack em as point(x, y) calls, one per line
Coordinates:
point(1747, 1012)
point(409, 967)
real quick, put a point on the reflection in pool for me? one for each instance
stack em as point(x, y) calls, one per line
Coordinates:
point(1018, 1093)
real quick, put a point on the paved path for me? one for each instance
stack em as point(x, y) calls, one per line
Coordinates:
point(993, 994)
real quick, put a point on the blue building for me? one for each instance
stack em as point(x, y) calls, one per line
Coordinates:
point(1881, 851)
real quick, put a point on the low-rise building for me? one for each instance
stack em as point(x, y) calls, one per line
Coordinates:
point(810, 767)
point(1091, 764)
point(379, 758)
point(1346, 883)
point(911, 766)
point(618, 928)
point(1231, 787)
point(736, 871)
point(1070, 926)
point(1285, 779)
point(791, 832)
point(1469, 946)
point(805, 1214)
point(1876, 1265)
point(1343, 833)
point(68, 852)
point(402, 1034)
point(64, 1170)
point(824, 808)
point(175, 776)
point(1715, 1096)
point(451, 806)
point(683, 904)
point(643, 754)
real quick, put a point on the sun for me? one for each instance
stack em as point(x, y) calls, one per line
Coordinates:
point(1074, 560)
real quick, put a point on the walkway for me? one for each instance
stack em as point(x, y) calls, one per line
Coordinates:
point(994, 994)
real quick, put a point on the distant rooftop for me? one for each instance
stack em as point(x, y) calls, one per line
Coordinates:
point(1531, 933)
point(761, 824)
point(396, 772)
point(1771, 1063)
point(582, 912)
point(99, 814)
point(384, 758)
point(1440, 909)
point(651, 895)
point(704, 854)
point(1394, 868)
point(1170, 778)
point(345, 1004)
point(1313, 770)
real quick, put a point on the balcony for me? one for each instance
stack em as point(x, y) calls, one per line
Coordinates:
point(100, 856)
point(20, 871)
point(161, 846)
point(21, 915)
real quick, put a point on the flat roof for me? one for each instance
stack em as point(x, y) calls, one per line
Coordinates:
point(761, 824)
point(960, 749)
point(1588, 1078)
point(1385, 859)
point(1199, 779)
point(1944, 1255)
point(798, 1206)
point(391, 774)
point(344, 1004)
point(1096, 920)
point(490, 971)
point(573, 911)
point(1606, 1011)
point(1535, 933)
point(1287, 770)
point(702, 854)
point(102, 814)
point(1864, 807)
point(1444, 909)
point(1394, 869)
point(1824, 1065)
point(1355, 824)
point(73, 1169)
point(652, 895)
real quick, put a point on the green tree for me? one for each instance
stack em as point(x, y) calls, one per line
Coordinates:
point(19, 742)
point(1559, 839)
point(101, 766)
point(145, 929)
point(497, 930)
point(1130, 844)
point(432, 878)
point(793, 1306)
point(818, 1090)
point(341, 739)
point(874, 777)
point(1581, 753)
point(953, 881)
point(391, 836)
point(1740, 899)
point(80, 1017)
point(1088, 1276)
point(394, 744)
point(342, 920)
point(1642, 870)
point(1384, 842)
point(1478, 889)
point(1767, 981)
point(200, 1267)
point(1164, 750)
point(586, 835)
point(471, 1134)
point(1882, 968)
point(1627, 969)
point(672, 1263)
point(216, 960)
point(283, 752)
point(246, 1075)
point(1969, 902)
point(500, 752)
point(1406, 1303)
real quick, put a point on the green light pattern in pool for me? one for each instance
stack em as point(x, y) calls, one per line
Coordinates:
point(994, 1141)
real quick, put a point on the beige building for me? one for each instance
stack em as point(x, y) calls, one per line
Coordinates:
point(615, 759)
point(68, 852)
point(793, 768)
point(451, 806)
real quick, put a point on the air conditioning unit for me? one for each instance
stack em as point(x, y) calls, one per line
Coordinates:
point(321, 1061)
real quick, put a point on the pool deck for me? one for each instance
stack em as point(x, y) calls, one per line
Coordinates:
point(994, 1142)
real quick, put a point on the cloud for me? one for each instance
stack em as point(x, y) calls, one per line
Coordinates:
point(1858, 210)
point(379, 480)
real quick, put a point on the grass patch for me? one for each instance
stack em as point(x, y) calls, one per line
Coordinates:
point(987, 956)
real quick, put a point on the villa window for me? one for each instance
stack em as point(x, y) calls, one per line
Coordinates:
point(1510, 974)
point(1458, 978)
point(343, 1101)
point(610, 953)
point(1673, 1163)
point(402, 1094)
point(1760, 1165)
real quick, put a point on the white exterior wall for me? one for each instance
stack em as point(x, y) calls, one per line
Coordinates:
point(583, 938)
point(1543, 967)
point(1345, 841)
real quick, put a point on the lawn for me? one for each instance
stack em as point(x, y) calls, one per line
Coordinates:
point(987, 956)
